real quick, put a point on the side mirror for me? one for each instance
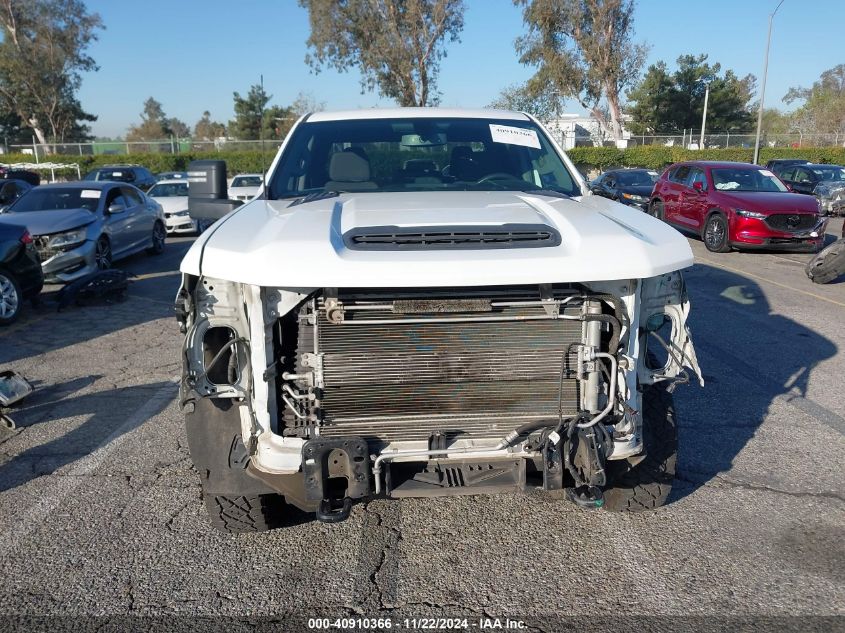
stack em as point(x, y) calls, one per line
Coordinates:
point(698, 186)
point(116, 207)
point(208, 193)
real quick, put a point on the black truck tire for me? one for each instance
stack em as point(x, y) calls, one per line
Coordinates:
point(235, 501)
point(828, 264)
point(647, 484)
point(254, 513)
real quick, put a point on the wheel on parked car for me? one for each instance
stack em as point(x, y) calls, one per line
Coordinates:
point(103, 254)
point(656, 209)
point(646, 485)
point(235, 502)
point(10, 297)
point(158, 239)
point(715, 234)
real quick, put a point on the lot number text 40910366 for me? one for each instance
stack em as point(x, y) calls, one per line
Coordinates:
point(414, 624)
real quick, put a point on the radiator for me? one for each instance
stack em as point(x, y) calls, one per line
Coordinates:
point(388, 375)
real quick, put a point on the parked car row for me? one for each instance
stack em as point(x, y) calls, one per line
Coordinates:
point(728, 205)
point(61, 232)
point(245, 186)
point(172, 195)
point(136, 175)
point(629, 186)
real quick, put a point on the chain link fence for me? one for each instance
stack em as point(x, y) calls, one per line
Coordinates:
point(688, 140)
point(691, 140)
point(122, 148)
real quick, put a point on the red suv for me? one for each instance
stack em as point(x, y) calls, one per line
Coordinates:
point(736, 205)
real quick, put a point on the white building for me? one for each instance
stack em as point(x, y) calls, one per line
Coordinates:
point(574, 130)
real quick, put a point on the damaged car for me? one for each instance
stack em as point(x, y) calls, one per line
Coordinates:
point(81, 227)
point(825, 182)
point(368, 329)
point(20, 271)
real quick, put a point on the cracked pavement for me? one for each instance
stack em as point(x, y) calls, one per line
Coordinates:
point(102, 514)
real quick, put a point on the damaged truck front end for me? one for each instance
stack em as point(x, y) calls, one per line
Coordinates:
point(327, 395)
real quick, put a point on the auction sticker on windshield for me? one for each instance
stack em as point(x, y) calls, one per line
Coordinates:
point(514, 136)
point(90, 193)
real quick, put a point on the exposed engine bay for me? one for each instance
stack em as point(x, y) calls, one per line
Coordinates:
point(425, 392)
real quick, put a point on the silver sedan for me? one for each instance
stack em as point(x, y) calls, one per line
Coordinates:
point(80, 227)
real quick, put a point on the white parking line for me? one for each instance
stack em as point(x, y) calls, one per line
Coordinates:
point(767, 280)
point(62, 487)
point(166, 273)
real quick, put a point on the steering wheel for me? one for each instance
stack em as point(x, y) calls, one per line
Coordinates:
point(497, 175)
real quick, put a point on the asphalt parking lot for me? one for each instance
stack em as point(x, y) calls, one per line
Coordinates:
point(101, 510)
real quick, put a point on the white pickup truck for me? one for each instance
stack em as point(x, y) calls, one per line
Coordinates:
point(427, 302)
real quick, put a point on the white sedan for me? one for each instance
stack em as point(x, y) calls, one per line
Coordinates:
point(244, 186)
point(172, 195)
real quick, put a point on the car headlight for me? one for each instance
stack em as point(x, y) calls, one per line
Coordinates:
point(67, 240)
point(181, 214)
point(634, 197)
point(750, 214)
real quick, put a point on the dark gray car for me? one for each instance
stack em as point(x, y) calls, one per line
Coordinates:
point(84, 226)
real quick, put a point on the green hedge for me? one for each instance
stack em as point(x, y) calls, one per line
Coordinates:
point(237, 162)
point(658, 156)
point(650, 156)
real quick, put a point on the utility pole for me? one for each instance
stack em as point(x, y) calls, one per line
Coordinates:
point(763, 89)
point(704, 116)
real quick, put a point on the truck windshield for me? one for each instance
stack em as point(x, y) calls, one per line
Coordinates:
point(420, 154)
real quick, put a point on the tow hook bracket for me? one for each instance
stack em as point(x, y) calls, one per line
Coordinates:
point(587, 497)
point(330, 512)
point(552, 464)
point(336, 471)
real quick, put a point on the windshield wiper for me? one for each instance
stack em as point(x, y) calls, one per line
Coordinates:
point(551, 193)
point(313, 197)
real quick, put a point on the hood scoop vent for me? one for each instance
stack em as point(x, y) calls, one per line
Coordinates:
point(410, 238)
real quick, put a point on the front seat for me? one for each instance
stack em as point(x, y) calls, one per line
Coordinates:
point(461, 164)
point(348, 171)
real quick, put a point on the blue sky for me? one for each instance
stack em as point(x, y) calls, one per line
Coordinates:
point(192, 54)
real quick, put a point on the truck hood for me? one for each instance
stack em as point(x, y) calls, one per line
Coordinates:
point(270, 243)
point(47, 222)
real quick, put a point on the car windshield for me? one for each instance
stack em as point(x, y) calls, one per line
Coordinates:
point(636, 178)
point(168, 190)
point(246, 181)
point(423, 154)
point(50, 199)
point(830, 174)
point(732, 179)
point(118, 175)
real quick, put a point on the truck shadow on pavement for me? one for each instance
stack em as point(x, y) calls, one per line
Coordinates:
point(106, 415)
point(750, 357)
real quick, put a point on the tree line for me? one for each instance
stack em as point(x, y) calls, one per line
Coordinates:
point(254, 119)
point(578, 50)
